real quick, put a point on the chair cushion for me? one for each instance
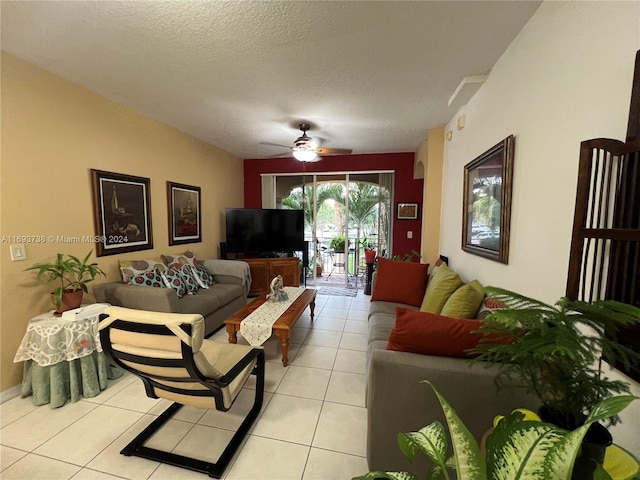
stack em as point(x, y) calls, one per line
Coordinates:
point(222, 357)
point(224, 292)
point(213, 359)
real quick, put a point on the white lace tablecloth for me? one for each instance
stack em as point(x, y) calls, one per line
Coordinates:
point(256, 327)
point(50, 339)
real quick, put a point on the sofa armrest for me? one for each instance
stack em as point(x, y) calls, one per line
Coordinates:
point(230, 271)
point(140, 298)
point(398, 402)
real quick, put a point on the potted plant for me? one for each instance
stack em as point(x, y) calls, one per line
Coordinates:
point(72, 275)
point(369, 250)
point(555, 351)
point(518, 448)
point(407, 257)
point(337, 244)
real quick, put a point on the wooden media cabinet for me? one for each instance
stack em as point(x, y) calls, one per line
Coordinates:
point(264, 269)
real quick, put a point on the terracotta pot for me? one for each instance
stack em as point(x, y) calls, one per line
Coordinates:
point(70, 299)
point(318, 270)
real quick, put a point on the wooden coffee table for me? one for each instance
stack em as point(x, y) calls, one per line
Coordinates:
point(282, 325)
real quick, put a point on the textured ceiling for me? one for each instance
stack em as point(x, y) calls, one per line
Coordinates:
point(371, 76)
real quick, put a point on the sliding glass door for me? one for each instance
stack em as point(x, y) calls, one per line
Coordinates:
point(345, 213)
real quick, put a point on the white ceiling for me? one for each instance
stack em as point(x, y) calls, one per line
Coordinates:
point(371, 76)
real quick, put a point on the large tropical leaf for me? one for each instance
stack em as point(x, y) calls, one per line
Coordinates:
point(470, 464)
point(517, 449)
point(431, 440)
point(530, 449)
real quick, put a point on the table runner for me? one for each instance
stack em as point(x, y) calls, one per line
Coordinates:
point(256, 327)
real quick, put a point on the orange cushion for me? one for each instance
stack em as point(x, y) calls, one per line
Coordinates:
point(402, 282)
point(431, 334)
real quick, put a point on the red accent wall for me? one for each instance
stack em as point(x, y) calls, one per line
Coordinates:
point(406, 188)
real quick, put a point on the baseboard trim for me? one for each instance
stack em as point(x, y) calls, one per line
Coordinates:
point(7, 395)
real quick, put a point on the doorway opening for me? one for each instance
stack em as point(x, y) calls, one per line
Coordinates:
point(345, 214)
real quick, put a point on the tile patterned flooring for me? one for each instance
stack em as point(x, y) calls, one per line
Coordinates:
point(312, 425)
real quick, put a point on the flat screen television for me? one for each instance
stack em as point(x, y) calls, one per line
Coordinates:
point(263, 231)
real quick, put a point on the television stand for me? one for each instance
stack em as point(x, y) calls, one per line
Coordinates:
point(264, 269)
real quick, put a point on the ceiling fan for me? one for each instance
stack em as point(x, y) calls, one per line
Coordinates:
point(304, 148)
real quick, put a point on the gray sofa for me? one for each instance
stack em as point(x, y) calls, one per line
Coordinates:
point(397, 402)
point(215, 304)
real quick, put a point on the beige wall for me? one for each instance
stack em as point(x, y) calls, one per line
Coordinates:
point(565, 78)
point(53, 133)
point(430, 154)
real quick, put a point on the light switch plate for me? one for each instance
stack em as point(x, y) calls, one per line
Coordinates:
point(18, 252)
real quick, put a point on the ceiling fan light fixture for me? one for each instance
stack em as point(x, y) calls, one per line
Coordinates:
point(304, 155)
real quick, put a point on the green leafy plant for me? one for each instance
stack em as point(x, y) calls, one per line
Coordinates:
point(71, 272)
point(367, 243)
point(337, 243)
point(407, 257)
point(556, 349)
point(517, 449)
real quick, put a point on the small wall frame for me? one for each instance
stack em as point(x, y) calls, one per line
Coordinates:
point(184, 213)
point(486, 216)
point(407, 211)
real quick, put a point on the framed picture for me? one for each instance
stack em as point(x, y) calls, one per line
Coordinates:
point(122, 213)
point(184, 213)
point(487, 202)
point(407, 211)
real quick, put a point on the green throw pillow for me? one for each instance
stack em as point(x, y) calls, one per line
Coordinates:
point(464, 302)
point(443, 283)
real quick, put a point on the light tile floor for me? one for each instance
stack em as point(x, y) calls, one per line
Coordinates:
point(312, 426)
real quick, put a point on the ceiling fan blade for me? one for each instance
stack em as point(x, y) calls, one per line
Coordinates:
point(276, 145)
point(333, 151)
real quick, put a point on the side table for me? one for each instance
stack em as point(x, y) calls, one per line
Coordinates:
point(63, 357)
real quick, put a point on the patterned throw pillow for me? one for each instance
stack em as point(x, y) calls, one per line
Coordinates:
point(131, 268)
point(203, 276)
point(173, 279)
point(187, 258)
point(149, 279)
point(189, 278)
point(489, 304)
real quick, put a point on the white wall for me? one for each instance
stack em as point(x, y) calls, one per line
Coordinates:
point(566, 78)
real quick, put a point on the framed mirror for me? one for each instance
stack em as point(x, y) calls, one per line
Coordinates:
point(487, 202)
